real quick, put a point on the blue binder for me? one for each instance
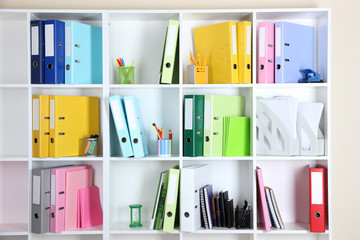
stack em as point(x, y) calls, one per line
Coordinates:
point(54, 51)
point(37, 52)
point(83, 54)
point(121, 126)
point(136, 127)
point(294, 51)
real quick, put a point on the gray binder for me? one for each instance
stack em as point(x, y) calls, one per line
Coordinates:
point(40, 211)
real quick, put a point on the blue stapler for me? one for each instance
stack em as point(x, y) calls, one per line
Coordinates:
point(310, 76)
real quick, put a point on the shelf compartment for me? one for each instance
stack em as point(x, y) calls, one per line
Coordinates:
point(14, 44)
point(224, 230)
point(138, 37)
point(14, 203)
point(123, 228)
point(194, 19)
point(160, 106)
point(134, 183)
point(303, 94)
point(290, 183)
point(150, 157)
point(81, 231)
point(217, 159)
point(318, 19)
point(74, 90)
point(14, 106)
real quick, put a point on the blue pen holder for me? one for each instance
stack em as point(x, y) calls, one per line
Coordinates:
point(164, 147)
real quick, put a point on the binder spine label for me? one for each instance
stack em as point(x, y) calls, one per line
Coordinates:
point(248, 40)
point(207, 115)
point(117, 115)
point(172, 189)
point(130, 114)
point(170, 49)
point(36, 116)
point(188, 114)
point(36, 190)
point(317, 188)
point(35, 40)
point(234, 45)
point(278, 42)
point(68, 41)
point(262, 42)
point(52, 114)
point(49, 40)
point(53, 189)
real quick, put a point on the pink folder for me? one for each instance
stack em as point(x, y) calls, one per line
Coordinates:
point(264, 212)
point(266, 51)
point(89, 207)
point(58, 196)
point(75, 180)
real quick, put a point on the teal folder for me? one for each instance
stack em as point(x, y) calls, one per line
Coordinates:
point(193, 125)
point(83, 54)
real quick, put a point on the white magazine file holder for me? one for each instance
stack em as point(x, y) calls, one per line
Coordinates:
point(317, 143)
point(268, 140)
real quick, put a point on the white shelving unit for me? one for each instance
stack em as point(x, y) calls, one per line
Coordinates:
point(139, 35)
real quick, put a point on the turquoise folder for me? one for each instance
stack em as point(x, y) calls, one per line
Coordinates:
point(83, 54)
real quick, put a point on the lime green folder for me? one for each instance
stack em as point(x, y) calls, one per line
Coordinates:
point(171, 200)
point(169, 65)
point(236, 136)
point(215, 108)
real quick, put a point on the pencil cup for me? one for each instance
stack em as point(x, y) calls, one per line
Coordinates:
point(90, 147)
point(126, 75)
point(197, 74)
point(164, 147)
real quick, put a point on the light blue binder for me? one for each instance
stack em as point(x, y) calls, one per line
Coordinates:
point(294, 50)
point(121, 126)
point(136, 127)
point(83, 54)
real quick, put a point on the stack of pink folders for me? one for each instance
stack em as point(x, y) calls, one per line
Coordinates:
point(59, 195)
point(264, 213)
point(89, 207)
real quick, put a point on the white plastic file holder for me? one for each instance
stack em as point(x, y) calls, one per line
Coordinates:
point(274, 140)
point(317, 143)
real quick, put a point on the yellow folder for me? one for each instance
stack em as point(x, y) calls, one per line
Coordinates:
point(72, 118)
point(40, 127)
point(244, 40)
point(220, 40)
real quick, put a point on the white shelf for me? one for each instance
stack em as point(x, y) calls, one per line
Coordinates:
point(146, 86)
point(224, 230)
point(151, 157)
point(292, 158)
point(18, 229)
point(216, 86)
point(68, 159)
point(123, 228)
point(60, 86)
point(80, 231)
point(292, 228)
point(14, 85)
point(217, 158)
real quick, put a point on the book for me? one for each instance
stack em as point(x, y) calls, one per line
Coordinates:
point(157, 200)
point(276, 207)
point(203, 209)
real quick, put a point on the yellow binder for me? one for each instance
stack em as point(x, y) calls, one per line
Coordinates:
point(244, 40)
point(72, 118)
point(41, 124)
point(220, 40)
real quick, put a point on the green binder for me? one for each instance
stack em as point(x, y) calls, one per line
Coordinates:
point(215, 108)
point(171, 200)
point(193, 125)
point(236, 136)
point(169, 66)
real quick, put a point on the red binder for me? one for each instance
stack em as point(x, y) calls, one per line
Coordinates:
point(317, 199)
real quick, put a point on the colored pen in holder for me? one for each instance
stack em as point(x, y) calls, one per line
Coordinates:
point(126, 75)
point(90, 147)
point(197, 74)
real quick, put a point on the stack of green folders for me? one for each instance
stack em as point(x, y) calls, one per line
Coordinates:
point(215, 125)
point(164, 212)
